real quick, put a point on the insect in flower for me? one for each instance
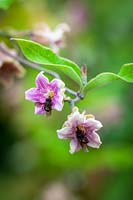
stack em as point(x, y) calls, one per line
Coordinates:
point(80, 134)
point(47, 95)
point(81, 130)
point(48, 105)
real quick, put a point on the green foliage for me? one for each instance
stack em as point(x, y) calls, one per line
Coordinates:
point(45, 56)
point(5, 4)
point(125, 74)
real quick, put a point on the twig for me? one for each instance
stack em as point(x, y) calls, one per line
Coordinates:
point(27, 63)
point(71, 91)
point(73, 101)
point(11, 34)
point(35, 66)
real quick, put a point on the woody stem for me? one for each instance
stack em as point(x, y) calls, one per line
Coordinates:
point(35, 66)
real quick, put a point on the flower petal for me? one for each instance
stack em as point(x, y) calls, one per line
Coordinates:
point(57, 83)
point(39, 109)
point(75, 119)
point(94, 140)
point(74, 146)
point(42, 81)
point(65, 133)
point(57, 103)
point(58, 106)
point(35, 95)
point(57, 86)
point(93, 124)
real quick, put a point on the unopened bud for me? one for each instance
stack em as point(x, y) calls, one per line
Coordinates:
point(84, 73)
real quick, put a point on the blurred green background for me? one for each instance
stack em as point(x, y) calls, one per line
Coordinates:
point(34, 163)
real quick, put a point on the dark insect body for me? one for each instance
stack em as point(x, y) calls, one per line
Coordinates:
point(48, 105)
point(81, 136)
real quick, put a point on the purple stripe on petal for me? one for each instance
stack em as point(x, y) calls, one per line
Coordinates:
point(65, 133)
point(42, 81)
point(93, 124)
point(56, 85)
point(74, 145)
point(39, 109)
point(35, 95)
point(58, 106)
point(94, 140)
point(57, 103)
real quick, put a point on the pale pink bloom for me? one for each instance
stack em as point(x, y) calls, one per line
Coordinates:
point(81, 130)
point(78, 15)
point(55, 39)
point(10, 69)
point(47, 95)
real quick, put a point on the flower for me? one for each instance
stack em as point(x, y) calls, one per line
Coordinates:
point(81, 130)
point(55, 39)
point(47, 95)
point(10, 69)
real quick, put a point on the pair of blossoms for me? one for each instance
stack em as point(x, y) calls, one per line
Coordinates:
point(79, 128)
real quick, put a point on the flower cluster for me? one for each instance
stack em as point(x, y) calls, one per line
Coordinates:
point(79, 128)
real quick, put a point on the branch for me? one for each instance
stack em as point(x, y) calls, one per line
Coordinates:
point(27, 63)
point(34, 66)
point(10, 34)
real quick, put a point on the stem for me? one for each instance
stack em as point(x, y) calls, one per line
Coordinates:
point(35, 66)
point(11, 34)
point(76, 99)
point(73, 101)
point(27, 63)
point(71, 91)
point(5, 34)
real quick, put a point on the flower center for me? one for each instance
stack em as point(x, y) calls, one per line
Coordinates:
point(51, 94)
point(80, 134)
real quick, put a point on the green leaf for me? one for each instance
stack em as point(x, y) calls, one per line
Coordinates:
point(125, 74)
point(5, 4)
point(45, 56)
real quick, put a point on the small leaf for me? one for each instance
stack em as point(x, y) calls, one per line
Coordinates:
point(45, 56)
point(5, 4)
point(125, 74)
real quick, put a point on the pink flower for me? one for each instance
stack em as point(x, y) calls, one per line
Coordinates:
point(81, 130)
point(47, 95)
point(55, 39)
point(10, 69)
